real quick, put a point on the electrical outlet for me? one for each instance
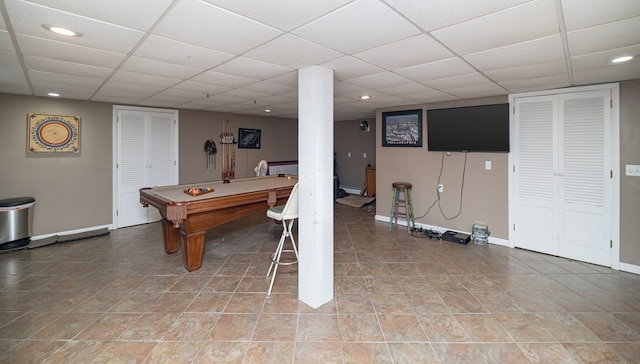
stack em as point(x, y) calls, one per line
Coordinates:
point(632, 170)
point(440, 188)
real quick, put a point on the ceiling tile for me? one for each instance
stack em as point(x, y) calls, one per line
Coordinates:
point(437, 70)
point(407, 89)
point(627, 71)
point(600, 59)
point(290, 97)
point(533, 20)
point(40, 77)
point(288, 79)
point(517, 84)
point(528, 71)
point(348, 67)
point(212, 27)
point(579, 14)
point(173, 98)
point(270, 88)
point(139, 14)
point(12, 80)
point(222, 79)
point(278, 13)
point(222, 55)
point(119, 95)
point(609, 36)
point(203, 88)
point(355, 21)
point(473, 91)
point(408, 52)
point(9, 60)
point(45, 48)
point(379, 80)
point(543, 50)
point(65, 68)
point(302, 53)
point(430, 15)
point(244, 94)
point(6, 45)
point(151, 67)
point(247, 67)
point(457, 81)
point(180, 53)
point(144, 80)
point(28, 18)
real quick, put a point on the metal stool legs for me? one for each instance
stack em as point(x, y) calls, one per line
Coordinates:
point(402, 205)
point(276, 261)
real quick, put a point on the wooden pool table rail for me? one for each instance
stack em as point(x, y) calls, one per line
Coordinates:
point(185, 223)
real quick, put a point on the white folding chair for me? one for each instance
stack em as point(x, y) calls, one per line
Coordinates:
point(287, 213)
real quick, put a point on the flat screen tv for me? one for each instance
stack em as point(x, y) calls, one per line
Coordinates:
point(470, 129)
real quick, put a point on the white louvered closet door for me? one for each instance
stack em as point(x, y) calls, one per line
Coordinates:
point(146, 157)
point(536, 189)
point(584, 173)
point(562, 184)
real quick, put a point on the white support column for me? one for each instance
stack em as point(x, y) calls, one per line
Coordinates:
point(315, 173)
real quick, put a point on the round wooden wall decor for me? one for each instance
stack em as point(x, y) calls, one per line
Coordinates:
point(53, 133)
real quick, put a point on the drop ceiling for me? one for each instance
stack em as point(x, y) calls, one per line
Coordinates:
point(243, 56)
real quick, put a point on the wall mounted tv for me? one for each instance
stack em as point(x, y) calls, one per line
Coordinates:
point(471, 129)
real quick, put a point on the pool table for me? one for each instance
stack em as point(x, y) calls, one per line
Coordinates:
point(189, 210)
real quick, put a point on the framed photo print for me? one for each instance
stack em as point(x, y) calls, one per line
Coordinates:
point(249, 138)
point(402, 128)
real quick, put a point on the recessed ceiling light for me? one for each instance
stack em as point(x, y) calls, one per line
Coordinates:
point(62, 31)
point(365, 97)
point(620, 59)
point(53, 94)
point(267, 110)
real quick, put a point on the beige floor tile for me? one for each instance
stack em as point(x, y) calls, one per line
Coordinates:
point(366, 353)
point(266, 352)
point(401, 328)
point(359, 328)
point(398, 299)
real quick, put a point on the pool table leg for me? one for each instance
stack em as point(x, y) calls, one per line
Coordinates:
point(192, 249)
point(171, 237)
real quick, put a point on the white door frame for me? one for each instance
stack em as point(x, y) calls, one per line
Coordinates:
point(615, 162)
point(115, 148)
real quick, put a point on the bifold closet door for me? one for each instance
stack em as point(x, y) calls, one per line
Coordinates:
point(563, 187)
point(146, 158)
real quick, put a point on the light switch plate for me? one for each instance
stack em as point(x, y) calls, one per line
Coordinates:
point(487, 165)
point(632, 170)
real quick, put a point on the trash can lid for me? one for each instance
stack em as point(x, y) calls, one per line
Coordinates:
point(16, 201)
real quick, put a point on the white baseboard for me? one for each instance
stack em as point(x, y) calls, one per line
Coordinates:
point(440, 229)
point(72, 232)
point(631, 268)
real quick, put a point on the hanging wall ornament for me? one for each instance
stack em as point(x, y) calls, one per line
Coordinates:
point(210, 150)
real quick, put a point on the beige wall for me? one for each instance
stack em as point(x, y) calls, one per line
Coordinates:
point(75, 191)
point(629, 185)
point(349, 138)
point(279, 141)
point(72, 191)
point(485, 196)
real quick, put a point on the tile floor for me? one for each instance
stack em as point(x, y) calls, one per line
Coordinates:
point(398, 299)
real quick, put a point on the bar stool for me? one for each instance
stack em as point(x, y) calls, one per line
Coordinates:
point(287, 214)
point(402, 205)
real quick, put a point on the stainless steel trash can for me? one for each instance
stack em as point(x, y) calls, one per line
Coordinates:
point(16, 222)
